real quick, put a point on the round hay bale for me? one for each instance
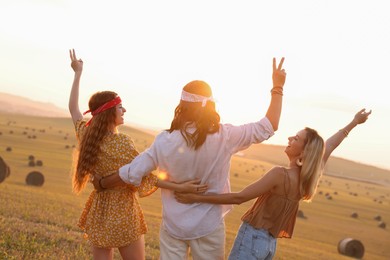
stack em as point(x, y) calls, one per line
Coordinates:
point(31, 157)
point(35, 178)
point(300, 214)
point(354, 215)
point(4, 170)
point(377, 217)
point(8, 172)
point(39, 163)
point(31, 163)
point(351, 247)
point(382, 225)
point(8, 149)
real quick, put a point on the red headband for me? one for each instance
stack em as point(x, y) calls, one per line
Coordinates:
point(103, 107)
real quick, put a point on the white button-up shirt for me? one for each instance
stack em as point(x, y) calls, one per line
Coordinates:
point(169, 153)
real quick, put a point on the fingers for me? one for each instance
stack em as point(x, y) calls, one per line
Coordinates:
point(363, 111)
point(72, 55)
point(201, 188)
point(196, 181)
point(281, 64)
point(274, 64)
point(368, 113)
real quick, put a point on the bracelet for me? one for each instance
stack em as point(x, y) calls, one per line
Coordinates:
point(345, 132)
point(100, 183)
point(277, 91)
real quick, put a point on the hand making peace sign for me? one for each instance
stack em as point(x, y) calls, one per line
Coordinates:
point(278, 74)
point(77, 64)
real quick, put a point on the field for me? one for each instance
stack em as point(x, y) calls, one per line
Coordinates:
point(40, 222)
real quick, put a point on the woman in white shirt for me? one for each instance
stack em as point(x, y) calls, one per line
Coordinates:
point(198, 146)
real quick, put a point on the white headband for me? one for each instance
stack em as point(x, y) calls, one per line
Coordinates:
point(189, 97)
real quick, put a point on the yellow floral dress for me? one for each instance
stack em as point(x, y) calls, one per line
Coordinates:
point(114, 218)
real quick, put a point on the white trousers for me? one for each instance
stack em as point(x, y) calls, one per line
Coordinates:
point(210, 247)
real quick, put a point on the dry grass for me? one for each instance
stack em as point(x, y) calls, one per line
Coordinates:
point(40, 222)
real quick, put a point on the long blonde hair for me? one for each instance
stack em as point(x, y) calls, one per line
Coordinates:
point(312, 164)
point(85, 159)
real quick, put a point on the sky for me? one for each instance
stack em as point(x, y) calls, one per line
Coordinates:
point(336, 59)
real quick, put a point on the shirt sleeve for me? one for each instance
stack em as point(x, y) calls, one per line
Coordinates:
point(142, 165)
point(241, 137)
point(80, 128)
point(148, 185)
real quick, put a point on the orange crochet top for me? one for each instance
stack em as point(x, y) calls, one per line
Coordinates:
point(275, 213)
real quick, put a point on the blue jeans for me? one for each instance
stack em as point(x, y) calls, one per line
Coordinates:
point(251, 243)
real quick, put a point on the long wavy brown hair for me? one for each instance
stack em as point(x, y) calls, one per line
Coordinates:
point(189, 114)
point(86, 157)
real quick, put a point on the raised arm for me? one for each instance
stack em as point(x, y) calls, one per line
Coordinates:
point(77, 66)
point(275, 106)
point(336, 139)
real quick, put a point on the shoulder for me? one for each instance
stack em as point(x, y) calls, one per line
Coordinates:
point(165, 136)
point(123, 137)
point(119, 138)
point(80, 123)
point(121, 142)
point(277, 172)
point(80, 126)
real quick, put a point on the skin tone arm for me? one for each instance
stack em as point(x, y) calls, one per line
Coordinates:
point(77, 66)
point(188, 186)
point(273, 177)
point(268, 182)
point(275, 107)
point(114, 180)
point(273, 115)
point(336, 139)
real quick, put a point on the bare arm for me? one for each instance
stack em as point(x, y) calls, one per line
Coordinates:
point(188, 186)
point(335, 140)
point(115, 180)
point(275, 107)
point(261, 186)
point(77, 66)
point(100, 183)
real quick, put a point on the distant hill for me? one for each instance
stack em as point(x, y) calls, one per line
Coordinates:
point(273, 154)
point(13, 104)
point(20, 105)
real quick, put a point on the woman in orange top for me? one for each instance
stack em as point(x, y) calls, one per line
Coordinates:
point(278, 193)
point(111, 218)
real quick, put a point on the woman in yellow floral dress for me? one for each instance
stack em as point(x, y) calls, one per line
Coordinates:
point(111, 218)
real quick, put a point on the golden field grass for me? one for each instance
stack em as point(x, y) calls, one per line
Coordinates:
point(40, 222)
